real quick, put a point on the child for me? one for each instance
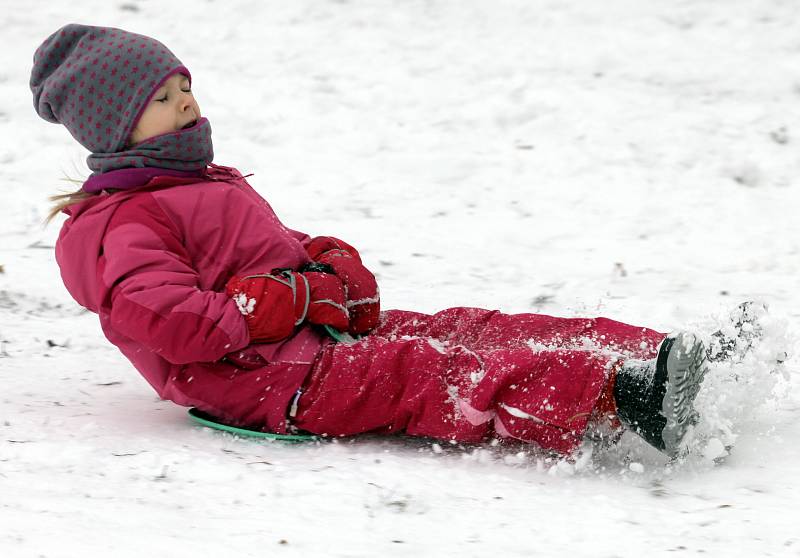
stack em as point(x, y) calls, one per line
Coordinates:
point(222, 307)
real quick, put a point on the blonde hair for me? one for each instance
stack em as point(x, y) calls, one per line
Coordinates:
point(64, 200)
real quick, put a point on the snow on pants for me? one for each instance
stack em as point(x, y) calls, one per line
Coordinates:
point(466, 374)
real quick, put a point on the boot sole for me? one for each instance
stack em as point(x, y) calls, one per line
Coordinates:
point(686, 366)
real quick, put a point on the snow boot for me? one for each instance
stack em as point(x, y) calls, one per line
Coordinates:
point(655, 398)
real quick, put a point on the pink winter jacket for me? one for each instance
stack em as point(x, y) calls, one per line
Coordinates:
point(153, 263)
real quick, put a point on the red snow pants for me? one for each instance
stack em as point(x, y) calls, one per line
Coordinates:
point(467, 374)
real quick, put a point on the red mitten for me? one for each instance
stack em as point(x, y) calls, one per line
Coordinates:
point(361, 289)
point(327, 302)
point(274, 304)
point(319, 245)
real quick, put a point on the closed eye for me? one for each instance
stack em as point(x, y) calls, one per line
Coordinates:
point(164, 99)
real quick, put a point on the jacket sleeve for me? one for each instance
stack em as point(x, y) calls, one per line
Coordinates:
point(153, 290)
point(300, 237)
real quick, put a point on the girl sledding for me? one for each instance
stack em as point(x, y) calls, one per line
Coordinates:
point(220, 306)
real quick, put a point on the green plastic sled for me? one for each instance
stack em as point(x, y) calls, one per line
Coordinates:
point(340, 336)
point(201, 418)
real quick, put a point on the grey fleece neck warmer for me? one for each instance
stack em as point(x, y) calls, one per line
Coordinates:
point(97, 81)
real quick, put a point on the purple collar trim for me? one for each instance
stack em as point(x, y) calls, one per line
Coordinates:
point(130, 178)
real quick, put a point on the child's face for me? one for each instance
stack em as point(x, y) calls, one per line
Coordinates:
point(171, 108)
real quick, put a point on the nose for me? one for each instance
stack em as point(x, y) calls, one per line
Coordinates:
point(186, 101)
point(188, 105)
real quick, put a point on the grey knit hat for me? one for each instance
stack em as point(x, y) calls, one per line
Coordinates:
point(96, 81)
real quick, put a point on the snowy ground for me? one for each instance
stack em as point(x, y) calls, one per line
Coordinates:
point(631, 159)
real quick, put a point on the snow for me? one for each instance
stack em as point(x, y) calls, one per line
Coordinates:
point(245, 305)
point(635, 160)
